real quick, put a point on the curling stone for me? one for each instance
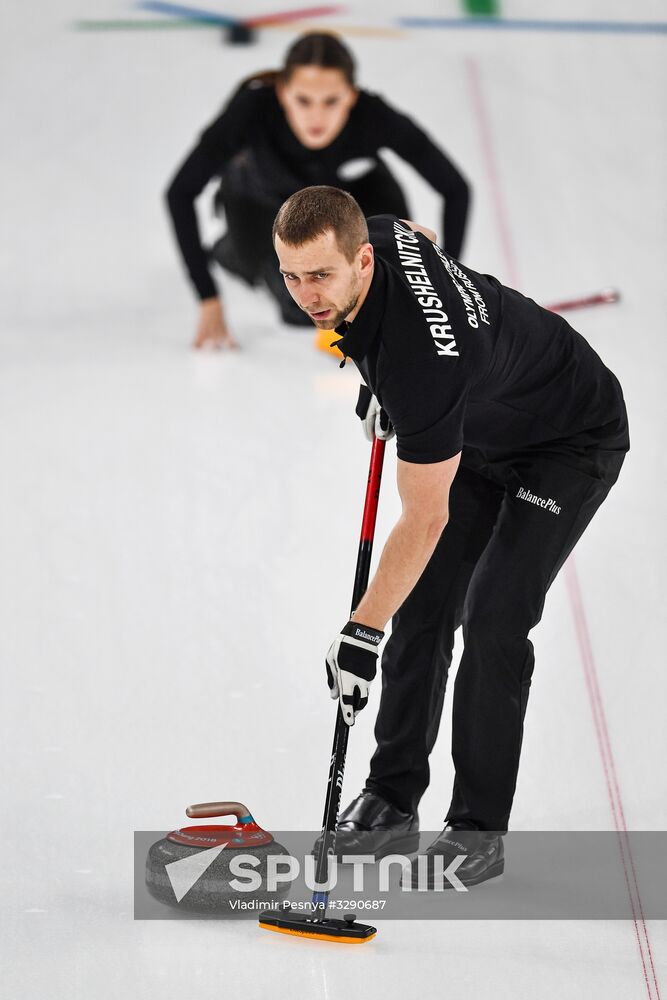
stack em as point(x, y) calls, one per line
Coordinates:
point(240, 33)
point(190, 868)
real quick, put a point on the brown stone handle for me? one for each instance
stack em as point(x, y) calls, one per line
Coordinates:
point(205, 809)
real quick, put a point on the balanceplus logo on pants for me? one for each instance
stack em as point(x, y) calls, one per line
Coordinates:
point(529, 497)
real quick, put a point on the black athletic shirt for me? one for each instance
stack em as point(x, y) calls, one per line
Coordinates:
point(254, 122)
point(455, 358)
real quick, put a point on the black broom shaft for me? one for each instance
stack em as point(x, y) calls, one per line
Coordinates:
point(342, 730)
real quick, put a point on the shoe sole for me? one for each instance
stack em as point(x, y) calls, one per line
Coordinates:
point(494, 872)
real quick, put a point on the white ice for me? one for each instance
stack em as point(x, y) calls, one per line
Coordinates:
point(179, 531)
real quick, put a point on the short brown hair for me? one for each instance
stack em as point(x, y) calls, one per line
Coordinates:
point(313, 211)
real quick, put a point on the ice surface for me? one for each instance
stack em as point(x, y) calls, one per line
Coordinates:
point(169, 518)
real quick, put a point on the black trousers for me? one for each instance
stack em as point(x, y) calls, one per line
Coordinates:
point(247, 248)
point(490, 573)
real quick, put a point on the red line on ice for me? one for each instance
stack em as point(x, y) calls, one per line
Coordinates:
point(489, 157)
point(573, 589)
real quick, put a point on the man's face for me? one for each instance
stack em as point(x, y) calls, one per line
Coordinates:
point(321, 280)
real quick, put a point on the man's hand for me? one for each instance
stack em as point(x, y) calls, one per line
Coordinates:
point(212, 329)
point(373, 418)
point(351, 665)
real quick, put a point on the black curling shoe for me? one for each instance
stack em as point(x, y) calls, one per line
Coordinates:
point(371, 825)
point(485, 859)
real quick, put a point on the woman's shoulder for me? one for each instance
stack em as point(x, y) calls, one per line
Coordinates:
point(371, 102)
point(255, 91)
point(374, 111)
point(250, 105)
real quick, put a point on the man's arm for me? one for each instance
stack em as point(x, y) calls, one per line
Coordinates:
point(424, 493)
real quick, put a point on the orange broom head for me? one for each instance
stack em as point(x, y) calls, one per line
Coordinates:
point(345, 931)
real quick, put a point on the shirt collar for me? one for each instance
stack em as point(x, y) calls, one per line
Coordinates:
point(359, 335)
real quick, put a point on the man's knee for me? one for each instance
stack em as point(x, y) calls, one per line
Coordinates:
point(415, 645)
point(500, 613)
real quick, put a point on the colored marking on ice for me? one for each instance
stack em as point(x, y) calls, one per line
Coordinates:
point(179, 23)
point(287, 16)
point(591, 673)
point(517, 24)
point(482, 8)
point(212, 17)
point(191, 13)
point(122, 24)
point(493, 174)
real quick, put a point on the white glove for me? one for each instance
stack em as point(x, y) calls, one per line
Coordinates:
point(374, 419)
point(351, 664)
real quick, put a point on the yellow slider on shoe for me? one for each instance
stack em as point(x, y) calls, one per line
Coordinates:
point(323, 341)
